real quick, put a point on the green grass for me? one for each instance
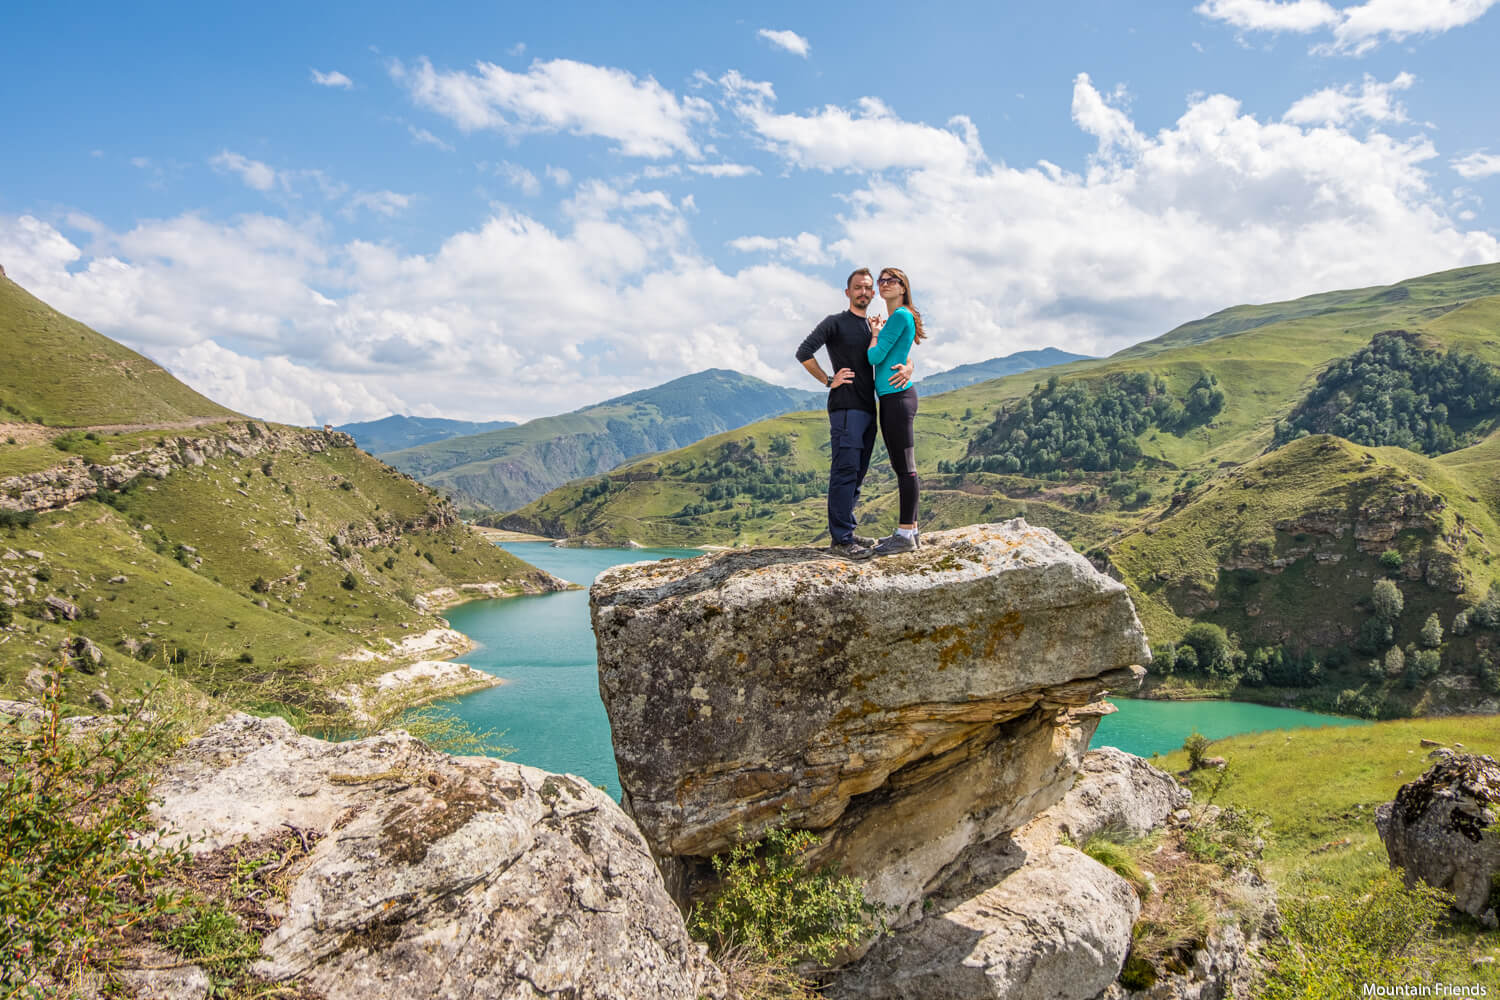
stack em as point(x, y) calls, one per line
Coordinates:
point(56, 370)
point(192, 548)
point(1320, 787)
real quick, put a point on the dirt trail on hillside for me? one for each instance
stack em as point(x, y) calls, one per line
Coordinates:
point(41, 433)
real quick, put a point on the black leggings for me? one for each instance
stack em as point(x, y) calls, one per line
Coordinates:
point(898, 417)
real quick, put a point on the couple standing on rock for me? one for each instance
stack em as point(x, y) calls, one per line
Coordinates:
point(859, 346)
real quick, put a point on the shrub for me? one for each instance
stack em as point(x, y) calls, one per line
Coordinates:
point(1395, 662)
point(212, 937)
point(769, 901)
point(6, 615)
point(1391, 559)
point(261, 585)
point(1214, 648)
point(1334, 944)
point(73, 877)
point(1432, 632)
point(349, 582)
point(1196, 746)
point(1387, 599)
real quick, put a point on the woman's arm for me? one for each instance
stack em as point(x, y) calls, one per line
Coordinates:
point(899, 325)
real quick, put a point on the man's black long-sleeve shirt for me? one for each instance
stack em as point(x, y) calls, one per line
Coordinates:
point(847, 338)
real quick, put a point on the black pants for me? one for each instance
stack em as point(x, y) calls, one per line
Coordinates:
point(898, 417)
point(851, 440)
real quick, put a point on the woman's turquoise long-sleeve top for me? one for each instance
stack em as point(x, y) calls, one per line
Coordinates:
point(892, 348)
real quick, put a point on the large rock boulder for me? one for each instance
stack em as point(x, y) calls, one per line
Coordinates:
point(1050, 925)
point(435, 876)
point(1441, 829)
point(906, 707)
point(1116, 793)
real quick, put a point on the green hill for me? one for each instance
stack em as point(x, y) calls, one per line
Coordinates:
point(54, 370)
point(263, 566)
point(506, 468)
point(396, 432)
point(1157, 462)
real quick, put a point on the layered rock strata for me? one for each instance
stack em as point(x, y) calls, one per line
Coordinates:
point(75, 478)
point(435, 876)
point(905, 708)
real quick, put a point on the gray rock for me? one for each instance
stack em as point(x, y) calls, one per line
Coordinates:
point(34, 554)
point(438, 876)
point(101, 699)
point(904, 707)
point(1118, 793)
point(1055, 928)
point(122, 578)
point(1440, 829)
point(1223, 968)
point(38, 679)
point(188, 982)
point(62, 608)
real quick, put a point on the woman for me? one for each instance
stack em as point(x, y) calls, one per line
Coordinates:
point(890, 344)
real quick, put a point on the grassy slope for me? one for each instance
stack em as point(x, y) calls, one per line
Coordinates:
point(243, 522)
point(1320, 787)
point(298, 645)
point(57, 371)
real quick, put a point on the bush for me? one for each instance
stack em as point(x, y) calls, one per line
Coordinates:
point(1390, 559)
point(349, 582)
point(1432, 632)
point(6, 615)
point(1334, 944)
point(1387, 599)
point(769, 901)
point(1214, 648)
point(1196, 746)
point(73, 877)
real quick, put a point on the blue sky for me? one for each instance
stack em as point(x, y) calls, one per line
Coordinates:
point(337, 211)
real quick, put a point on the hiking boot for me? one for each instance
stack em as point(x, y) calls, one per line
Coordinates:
point(850, 550)
point(895, 544)
point(866, 541)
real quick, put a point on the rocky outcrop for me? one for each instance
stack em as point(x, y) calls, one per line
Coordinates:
point(75, 478)
point(906, 708)
point(1054, 927)
point(434, 876)
point(1441, 829)
point(1116, 793)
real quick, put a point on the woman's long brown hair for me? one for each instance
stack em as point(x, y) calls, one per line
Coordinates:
point(900, 275)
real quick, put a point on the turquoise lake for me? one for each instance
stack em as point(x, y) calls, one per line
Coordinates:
point(549, 708)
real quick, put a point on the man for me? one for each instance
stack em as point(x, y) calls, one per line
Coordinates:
point(851, 408)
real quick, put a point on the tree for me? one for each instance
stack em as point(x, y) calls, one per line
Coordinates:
point(1213, 647)
point(1395, 662)
point(1386, 597)
point(1432, 632)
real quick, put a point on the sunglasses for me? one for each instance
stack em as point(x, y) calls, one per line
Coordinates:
point(892, 281)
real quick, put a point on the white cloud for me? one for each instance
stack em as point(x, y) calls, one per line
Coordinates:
point(334, 79)
point(787, 40)
point(520, 177)
point(427, 138)
point(1356, 29)
point(869, 138)
point(1271, 15)
point(559, 176)
point(804, 248)
point(386, 203)
point(1373, 101)
point(277, 388)
point(254, 173)
point(723, 169)
point(641, 116)
point(1476, 165)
